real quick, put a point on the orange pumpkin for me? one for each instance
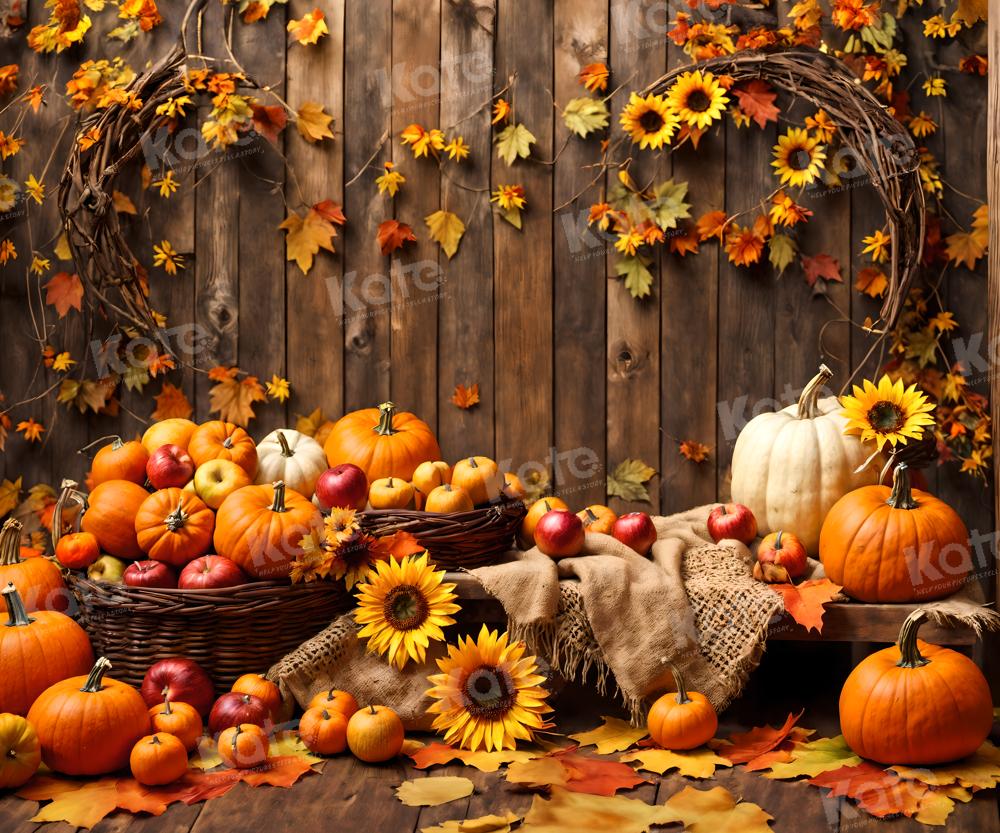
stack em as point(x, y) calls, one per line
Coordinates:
point(598, 518)
point(513, 487)
point(110, 517)
point(478, 476)
point(335, 700)
point(260, 527)
point(914, 703)
point(174, 526)
point(173, 431)
point(682, 720)
point(87, 725)
point(38, 579)
point(895, 545)
point(243, 746)
point(430, 474)
point(382, 442)
point(158, 759)
point(391, 493)
point(324, 731)
point(375, 734)
point(78, 550)
point(20, 753)
point(119, 460)
point(218, 440)
point(259, 686)
point(448, 498)
point(178, 719)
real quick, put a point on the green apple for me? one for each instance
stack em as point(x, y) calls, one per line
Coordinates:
point(216, 480)
point(107, 568)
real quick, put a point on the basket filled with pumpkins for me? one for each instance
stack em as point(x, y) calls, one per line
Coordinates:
point(183, 545)
point(387, 465)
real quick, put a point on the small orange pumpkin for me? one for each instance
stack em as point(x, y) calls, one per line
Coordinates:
point(158, 759)
point(914, 703)
point(448, 498)
point(375, 734)
point(38, 579)
point(119, 460)
point(259, 686)
point(479, 477)
point(336, 700)
point(513, 487)
point(260, 528)
point(178, 719)
point(20, 753)
point(682, 720)
point(324, 731)
point(430, 474)
point(391, 493)
point(110, 517)
point(598, 518)
point(174, 526)
point(243, 746)
point(382, 442)
point(218, 440)
point(77, 550)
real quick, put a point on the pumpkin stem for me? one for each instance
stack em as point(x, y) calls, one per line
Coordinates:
point(116, 443)
point(591, 515)
point(472, 463)
point(278, 504)
point(18, 615)
point(682, 693)
point(808, 407)
point(228, 442)
point(95, 680)
point(286, 451)
point(909, 653)
point(154, 740)
point(901, 496)
point(10, 543)
point(387, 410)
point(372, 708)
point(326, 714)
point(177, 518)
point(236, 734)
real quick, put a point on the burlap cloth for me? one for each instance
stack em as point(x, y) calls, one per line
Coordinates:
point(611, 613)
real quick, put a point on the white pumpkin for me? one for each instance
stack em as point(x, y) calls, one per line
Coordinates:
point(790, 467)
point(293, 457)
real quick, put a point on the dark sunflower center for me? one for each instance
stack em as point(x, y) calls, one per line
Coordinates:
point(405, 607)
point(886, 417)
point(651, 121)
point(489, 692)
point(799, 159)
point(354, 550)
point(698, 101)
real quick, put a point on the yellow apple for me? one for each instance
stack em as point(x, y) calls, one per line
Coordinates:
point(216, 480)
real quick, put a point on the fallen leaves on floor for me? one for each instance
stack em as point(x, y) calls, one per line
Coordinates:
point(613, 735)
point(484, 824)
point(814, 757)
point(717, 811)
point(979, 771)
point(442, 753)
point(876, 790)
point(693, 763)
point(570, 812)
point(576, 773)
point(432, 791)
point(745, 747)
point(804, 602)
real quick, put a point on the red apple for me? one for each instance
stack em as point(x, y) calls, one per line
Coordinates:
point(211, 571)
point(234, 708)
point(180, 679)
point(635, 530)
point(780, 558)
point(169, 465)
point(732, 520)
point(559, 533)
point(150, 574)
point(345, 486)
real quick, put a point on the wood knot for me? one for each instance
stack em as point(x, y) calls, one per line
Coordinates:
point(627, 360)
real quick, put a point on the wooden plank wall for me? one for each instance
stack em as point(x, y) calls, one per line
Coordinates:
point(573, 374)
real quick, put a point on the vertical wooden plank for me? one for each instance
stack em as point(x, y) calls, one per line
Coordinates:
point(315, 350)
point(638, 51)
point(581, 38)
point(522, 259)
point(689, 313)
point(993, 270)
point(367, 113)
point(416, 61)
point(260, 47)
point(465, 309)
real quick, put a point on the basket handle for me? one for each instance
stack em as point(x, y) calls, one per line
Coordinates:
point(69, 493)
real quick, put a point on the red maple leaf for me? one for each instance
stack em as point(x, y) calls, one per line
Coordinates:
point(746, 746)
point(876, 790)
point(393, 234)
point(757, 101)
point(821, 266)
point(269, 120)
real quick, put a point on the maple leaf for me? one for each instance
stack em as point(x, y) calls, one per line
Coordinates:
point(434, 790)
point(971, 12)
point(594, 77)
point(392, 235)
point(269, 120)
point(743, 245)
point(578, 773)
point(233, 399)
point(491, 823)
point(694, 763)
point(514, 142)
point(628, 480)
point(78, 804)
point(964, 247)
point(668, 205)
point(584, 116)
point(980, 771)
point(943, 322)
point(31, 429)
point(821, 266)
point(757, 101)
point(717, 811)
point(635, 270)
point(684, 243)
point(804, 602)
point(437, 753)
point(446, 229)
point(10, 494)
point(744, 747)
point(306, 235)
point(593, 814)
point(313, 122)
point(278, 388)
point(171, 402)
point(309, 424)
point(693, 450)
point(872, 281)
point(330, 211)
point(781, 251)
point(465, 397)
point(613, 735)
point(310, 28)
point(814, 757)
point(64, 291)
point(876, 790)
point(8, 78)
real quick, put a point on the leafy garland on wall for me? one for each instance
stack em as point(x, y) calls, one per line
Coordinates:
point(107, 99)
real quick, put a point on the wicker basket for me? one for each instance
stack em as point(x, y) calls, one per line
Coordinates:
point(455, 540)
point(227, 631)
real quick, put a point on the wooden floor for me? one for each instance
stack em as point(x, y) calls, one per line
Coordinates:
point(356, 798)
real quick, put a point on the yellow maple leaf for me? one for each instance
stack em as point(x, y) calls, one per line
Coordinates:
point(10, 495)
point(35, 189)
point(313, 122)
point(872, 281)
point(433, 790)
point(567, 810)
point(232, 399)
point(446, 229)
point(306, 235)
point(693, 763)
point(171, 402)
point(717, 811)
point(613, 735)
point(492, 823)
point(964, 247)
point(310, 28)
point(278, 388)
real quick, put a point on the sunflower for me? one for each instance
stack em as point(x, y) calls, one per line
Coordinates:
point(340, 525)
point(649, 121)
point(489, 694)
point(887, 413)
point(698, 99)
point(798, 157)
point(403, 606)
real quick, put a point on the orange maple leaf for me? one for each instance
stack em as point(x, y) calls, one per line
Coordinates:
point(465, 397)
point(712, 224)
point(693, 450)
point(269, 120)
point(393, 234)
point(171, 402)
point(821, 266)
point(330, 211)
point(32, 430)
point(757, 101)
point(964, 247)
point(743, 245)
point(64, 291)
point(594, 77)
point(434, 754)
point(744, 747)
point(872, 282)
point(804, 602)
point(233, 399)
point(8, 78)
point(574, 772)
point(684, 243)
point(877, 791)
